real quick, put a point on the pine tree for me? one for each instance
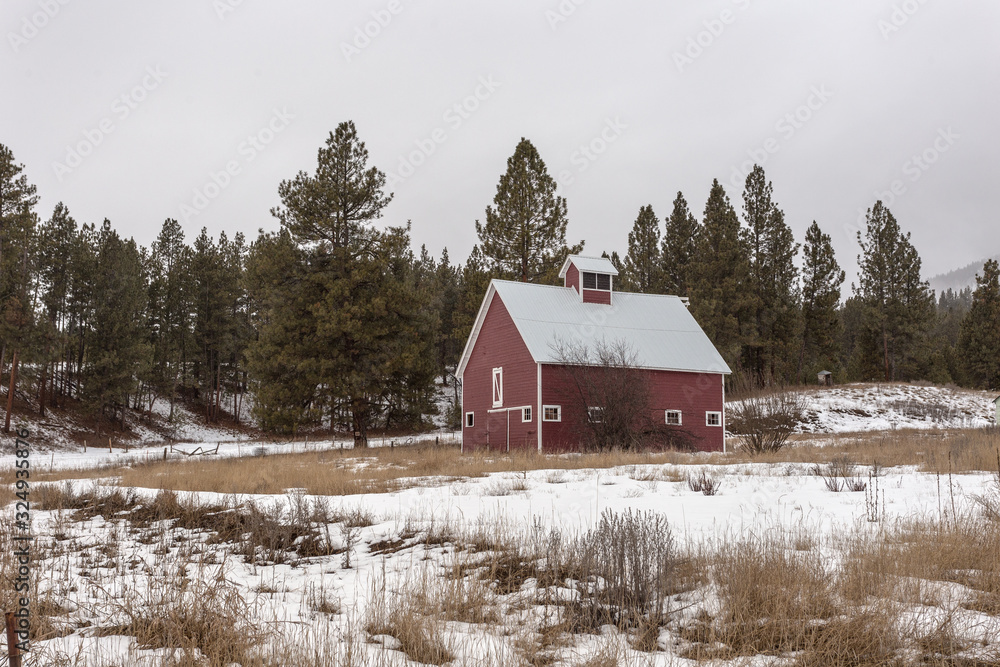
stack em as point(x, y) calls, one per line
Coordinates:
point(898, 304)
point(719, 276)
point(359, 336)
point(773, 327)
point(171, 292)
point(213, 294)
point(980, 336)
point(680, 243)
point(945, 337)
point(284, 363)
point(17, 231)
point(821, 282)
point(448, 288)
point(643, 270)
point(524, 236)
point(119, 354)
point(473, 284)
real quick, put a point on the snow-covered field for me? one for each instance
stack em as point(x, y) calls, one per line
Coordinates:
point(98, 567)
point(127, 577)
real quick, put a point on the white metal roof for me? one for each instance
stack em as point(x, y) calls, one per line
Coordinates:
point(589, 264)
point(659, 329)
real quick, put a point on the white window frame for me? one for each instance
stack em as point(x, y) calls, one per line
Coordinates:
point(470, 420)
point(708, 418)
point(597, 281)
point(680, 417)
point(596, 410)
point(525, 415)
point(557, 408)
point(498, 387)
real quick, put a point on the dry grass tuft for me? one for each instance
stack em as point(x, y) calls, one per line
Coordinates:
point(770, 597)
point(213, 618)
point(420, 636)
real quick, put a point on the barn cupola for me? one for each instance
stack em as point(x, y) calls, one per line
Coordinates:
point(591, 277)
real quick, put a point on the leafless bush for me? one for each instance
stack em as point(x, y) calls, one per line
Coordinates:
point(765, 418)
point(703, 483)
point(840, 474)
point(630, 562)
point(610, 400)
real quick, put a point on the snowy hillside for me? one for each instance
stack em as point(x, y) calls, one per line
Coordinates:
point(881, 407)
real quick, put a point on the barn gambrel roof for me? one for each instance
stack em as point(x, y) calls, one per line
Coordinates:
point(657, 328)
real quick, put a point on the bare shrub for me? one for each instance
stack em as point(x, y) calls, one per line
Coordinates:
point(629, 562)
point(764, 418)
point(609, 399)
point(703, 483)
point(840, 474)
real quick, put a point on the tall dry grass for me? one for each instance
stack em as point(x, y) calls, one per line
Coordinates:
point(350, 472)
point(347, 472)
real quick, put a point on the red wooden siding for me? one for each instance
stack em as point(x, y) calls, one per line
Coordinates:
point(573, 277)
point(596, 296)
point(499, 345)
point(693, 394)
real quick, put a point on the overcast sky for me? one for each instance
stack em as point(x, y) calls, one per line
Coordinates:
point(198, 109)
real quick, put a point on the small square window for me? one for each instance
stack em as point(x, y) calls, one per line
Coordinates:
point(674, 417)
point(604, 282)
point(713, 418)
point(470, 419)
point(595, 415)
point(552, 413)
point(526, 415)
point(589, 281)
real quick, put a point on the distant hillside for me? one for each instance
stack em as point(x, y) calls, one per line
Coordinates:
point(959, 279)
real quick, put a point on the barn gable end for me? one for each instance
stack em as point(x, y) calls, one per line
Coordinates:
point(498, 345)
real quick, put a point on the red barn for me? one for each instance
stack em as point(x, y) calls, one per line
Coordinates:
point(515, 376)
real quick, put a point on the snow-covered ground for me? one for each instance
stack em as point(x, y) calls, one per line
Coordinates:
point(92, 579)
point(99, 569)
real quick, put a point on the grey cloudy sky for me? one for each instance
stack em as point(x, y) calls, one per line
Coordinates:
point(197, 109)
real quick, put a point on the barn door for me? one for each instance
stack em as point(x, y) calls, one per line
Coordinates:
point(496, 430)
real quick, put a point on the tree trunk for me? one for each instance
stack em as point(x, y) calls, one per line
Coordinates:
point(360, 414)
point(885, 350)
point(10, 392)
point(41, 387)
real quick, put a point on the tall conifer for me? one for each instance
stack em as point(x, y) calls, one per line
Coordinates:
point(524, 235)
point(642, 265)
point(680, 243)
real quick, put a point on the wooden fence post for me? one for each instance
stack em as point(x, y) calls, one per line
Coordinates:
point(13, 654)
